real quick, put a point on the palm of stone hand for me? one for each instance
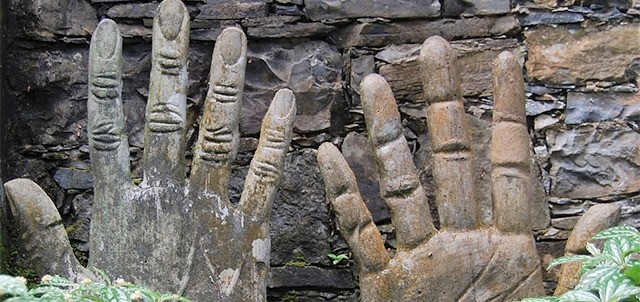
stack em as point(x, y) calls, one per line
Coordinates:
point(463, 261)
point(170, 233)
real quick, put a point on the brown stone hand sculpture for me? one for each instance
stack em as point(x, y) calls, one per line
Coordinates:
point(173, 234)
point(463, 260)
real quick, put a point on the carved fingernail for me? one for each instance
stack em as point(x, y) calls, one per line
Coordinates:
point(284, 104)
point(380, 109)
point(231, 43)
point(439, 70)
point(170, 17)
point(508, 88)
point(105, 39)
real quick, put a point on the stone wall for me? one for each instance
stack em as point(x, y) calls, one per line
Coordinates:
point(3, 233)
point(581, 61)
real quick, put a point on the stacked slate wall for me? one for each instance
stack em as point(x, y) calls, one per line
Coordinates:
point(581, 61)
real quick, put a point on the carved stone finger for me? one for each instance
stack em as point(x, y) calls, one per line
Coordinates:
point(399, 182)
point(166, 108)
point(598, 218)
point(109, 147)
point(217, 143)
point(354, 219)
point(43, 234)
point(511, 187)
point(453, 166)
point(265, 171)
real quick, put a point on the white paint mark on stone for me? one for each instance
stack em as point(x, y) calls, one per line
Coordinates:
point(228, 280)
point(261, 249)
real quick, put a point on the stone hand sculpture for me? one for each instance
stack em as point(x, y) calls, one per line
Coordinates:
point(463, 260)
point(171, 233)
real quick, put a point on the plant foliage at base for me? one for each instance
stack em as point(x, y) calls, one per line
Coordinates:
point(610, 274)
point(58, 289)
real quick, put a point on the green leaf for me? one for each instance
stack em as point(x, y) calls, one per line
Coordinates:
point(337, 258)
point(579, 296)
point(46, 291)
point(13, 286)
point(617, 232)
point(593, 249)
point(117, 295)
point(616, 249)
point(594, 278)
point(566, 259)
point(633, 273)
point(617, 288)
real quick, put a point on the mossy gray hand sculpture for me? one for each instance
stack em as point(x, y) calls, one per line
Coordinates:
point(170, 233)
point(463, 260)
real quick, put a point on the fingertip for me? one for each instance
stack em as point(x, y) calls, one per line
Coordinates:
point(29, 203)
point(106, 38)
point(283, 104)
point(337, 175)
point(233, 45)
point(380, 110)
point(508, 89)
point(439, 70)
point(171, 14)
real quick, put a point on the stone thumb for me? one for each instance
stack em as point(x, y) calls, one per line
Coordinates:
point(40, 226)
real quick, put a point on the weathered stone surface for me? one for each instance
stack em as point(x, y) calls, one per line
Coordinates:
point(312, 69)
point(78, 229)
point(133, 10)
point(535, 108)
point(537, 18)
point(230, 9)
point(45, 20)
point(73, 179)
point(38, 77)
point(596, 219)
point(300, 229)
point(382, 34)
point(287, 10)
point(544, 121)
point(39, 225)
point(356, 149)
point(290, 30)
point(326, 9)
point(475, 7)
point(594, 161)
point(360, 67)
point(565, 56)
point(481, 142)
point(474, 61)
point(310, 277)
point(565, 223)
point(549, 251)
point(540, 212)
point(600, 107)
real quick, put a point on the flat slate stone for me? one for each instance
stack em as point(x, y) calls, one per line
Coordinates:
point(310, 276)
point(591, 161)
point(330, 9)
point(600, 107)
point(290, 30)
point(563, 55)
point(133, 10)
point(475, 7)
point(227, 9)
point(416, 31)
